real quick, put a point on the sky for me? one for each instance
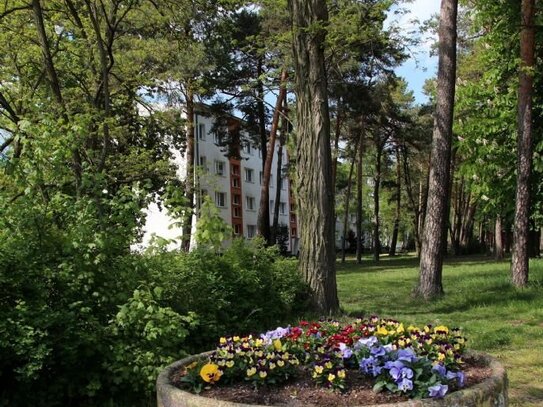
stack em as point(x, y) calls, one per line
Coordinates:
point(420, 66)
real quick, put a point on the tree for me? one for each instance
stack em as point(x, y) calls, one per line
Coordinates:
point(431, 261)
point(313, 156)
point(519, 261)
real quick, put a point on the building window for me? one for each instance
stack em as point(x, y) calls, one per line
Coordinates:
point(203, 163)
point(201, 131)
point(220, 199)
point(217, 138)
point(219, 168)
point(260, 177)
point(235, 169)
point(249, 175)
point(250, 203)
point(282, 208)
point(293, 218)
point(237, 212)
point(283, 183)
point(293, 232)
point(251, 231)
point(237, 229)
point(247, 148)
point(271, 180)
point(236, 199)
point(272, 204)
point(235, 182)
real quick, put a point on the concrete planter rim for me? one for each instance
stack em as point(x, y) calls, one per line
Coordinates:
point(494, 388)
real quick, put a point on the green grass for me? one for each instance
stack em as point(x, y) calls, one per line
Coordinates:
point(497, 318)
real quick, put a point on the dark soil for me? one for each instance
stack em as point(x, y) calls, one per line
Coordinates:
point(304, 392)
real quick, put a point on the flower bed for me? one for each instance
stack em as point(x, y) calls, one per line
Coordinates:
point(403, 362)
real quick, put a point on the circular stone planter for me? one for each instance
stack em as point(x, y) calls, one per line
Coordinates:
point(492, 392)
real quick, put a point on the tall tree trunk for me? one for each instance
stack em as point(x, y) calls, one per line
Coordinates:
point(431, 259)
point(376, 189)
point(347, 201)
point(396, 230)
point(335, 153)
point(314, 158)
point(519, 260)
point(263, 211)
point(189, 180)
point(279, 175)
point(498, 239)
point(263, 224)
point(359, 184)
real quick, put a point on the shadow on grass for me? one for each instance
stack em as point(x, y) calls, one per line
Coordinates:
point(368, 265)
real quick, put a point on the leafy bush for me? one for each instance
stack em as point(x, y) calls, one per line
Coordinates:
point(83, 321)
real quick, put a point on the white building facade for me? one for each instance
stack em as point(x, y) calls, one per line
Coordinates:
point(233, 181)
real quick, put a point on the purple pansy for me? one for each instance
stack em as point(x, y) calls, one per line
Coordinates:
point(400, 374)
point(405, 385)
point(367, 342)
point(438, 390)
point(346, 352)
point(459, 376)
point(407, 355)
point(378, 351)
point(440, 369)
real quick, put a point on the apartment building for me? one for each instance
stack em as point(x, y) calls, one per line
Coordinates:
point(231, 174)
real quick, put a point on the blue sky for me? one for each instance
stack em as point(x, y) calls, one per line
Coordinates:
point(420, 66)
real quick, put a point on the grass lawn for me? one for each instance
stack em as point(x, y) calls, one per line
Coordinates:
point(495, 317)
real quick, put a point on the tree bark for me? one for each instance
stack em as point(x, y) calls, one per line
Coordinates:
point(431, 260)
point(396, 230)
point(279, 175)
point(335, 153)
point(263, 225)
point(519, 260)
point(376, 189)
point(263, 210)
point(359, 184)
point(498, 239)
point(313, 155)
point(189, 180)
point(347, 200)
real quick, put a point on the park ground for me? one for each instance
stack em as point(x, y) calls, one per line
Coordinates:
point(496, 318)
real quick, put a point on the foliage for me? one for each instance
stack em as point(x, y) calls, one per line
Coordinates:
point(211, 229)
point(417, 362)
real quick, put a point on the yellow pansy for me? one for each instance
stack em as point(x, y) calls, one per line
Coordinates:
point(441, 356)
point(230, 363)
point(251, 371)
point(441, 328)
point(382, 331)
point(331, 377)
point(328, 365)
point(272, 365)
point(280, 363)
point(277, 344)
point(210, 373)
point(341, 374)
point(222, 341)
point(258, 343)
point(319, 369)
point(400, 329)
point(262, 374)
point(236, 338)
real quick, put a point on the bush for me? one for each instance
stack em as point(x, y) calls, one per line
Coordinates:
point(247, 288)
